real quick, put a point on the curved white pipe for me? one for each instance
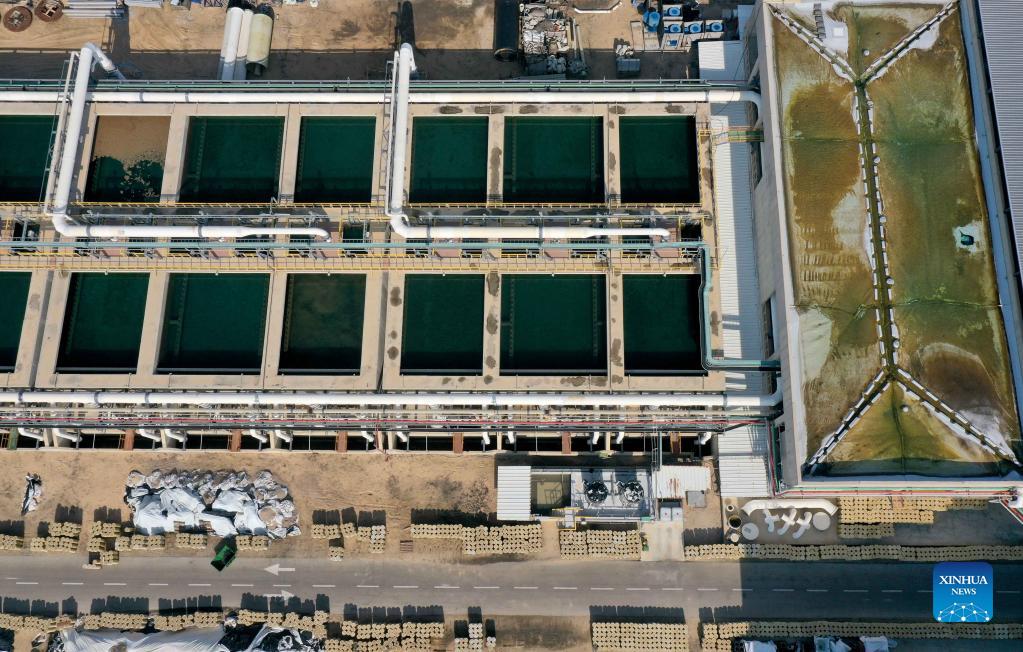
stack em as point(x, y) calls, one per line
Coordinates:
point(620, 438)
point(144, 432)
point(258, 436)
point(311, 399)
point(61, 434)
point(596, 437)
point(26, 432)
point(176, 436)
point(396, 194)
point(511, 436)
point(283, 436)
point(367, 436)
point(486, 437)
point(66, 172)
point(104, 61)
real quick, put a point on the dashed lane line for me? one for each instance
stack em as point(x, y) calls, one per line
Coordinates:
point(158, 584)
point(816, 590)
point(72, 583)
point(446, 587)
point(367, 586)
point(565, 588)
point(672, 588)
point(201, 584)
point(705, 588)
point(483, 588)
point(1007, 591)
point(26, 583)
point(525, 588)
point(113, 584)
point(405, 586)
point(783, 590)
point(327, 586)
point(601, 588)
point(638, 588)
point(891, 590)
point(854, 590)
point(743, 590)
point(242, 585)
point(282, 586)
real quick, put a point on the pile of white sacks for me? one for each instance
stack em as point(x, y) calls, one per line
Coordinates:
point(228, 502)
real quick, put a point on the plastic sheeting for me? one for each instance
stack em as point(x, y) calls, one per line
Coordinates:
point(191, 640)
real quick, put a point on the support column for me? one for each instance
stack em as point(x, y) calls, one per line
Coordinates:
point(274, 326)
point(495, 158)
point(378, 185)
point(612, 151)
point(51, 327)
point(457, 443)
point(152, 324)
point(289, 155)
point(616, 329)
point(566, 443)
point(390, 440)
point(393, 322)
point(607, 441)
point(36, 311)
point(341, 445)
point(129, 440)
point(81, 171)
point(174, 162)
point(492, 327)
point(236, 441)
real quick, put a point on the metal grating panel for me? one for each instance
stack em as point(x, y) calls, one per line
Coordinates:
point(722, 60)
point(1002, 23)
point(742, 462)
point(514, 493)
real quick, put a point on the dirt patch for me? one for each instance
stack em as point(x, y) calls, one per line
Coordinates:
point(544, 633)
point(394, 484)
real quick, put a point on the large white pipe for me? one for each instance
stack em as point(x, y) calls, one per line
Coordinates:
point(283, 435)
point(396, 194)
point(229, 51)
point(60, 433)
point(31, 434)
point(144, 432)
point(66, 171)
point(311, 399)
point(176, 436)
point(714, 95)
point(242, 55)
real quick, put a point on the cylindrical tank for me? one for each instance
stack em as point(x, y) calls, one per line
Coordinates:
point(260, 33)
point(506, 30)
point(652, 19)
point(241, 58)
point(229, 50)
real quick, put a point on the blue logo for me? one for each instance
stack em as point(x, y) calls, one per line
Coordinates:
point(963, 592)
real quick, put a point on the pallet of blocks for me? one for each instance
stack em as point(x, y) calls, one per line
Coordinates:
point(190, 540)
point(336, 550)
point(11, 542)
point(377, 538)
point(109, 558)
point(252, 542)
point(321, 531)
point(53, 544)
point(636, 637)
point(865, 530)
point(65, 529)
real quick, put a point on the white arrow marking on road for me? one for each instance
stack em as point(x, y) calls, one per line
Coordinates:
point(284, 595)
point(277, 569)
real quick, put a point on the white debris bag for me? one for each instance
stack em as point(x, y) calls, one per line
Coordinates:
point(33, 493)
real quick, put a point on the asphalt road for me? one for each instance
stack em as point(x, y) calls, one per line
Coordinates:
point(43, 584)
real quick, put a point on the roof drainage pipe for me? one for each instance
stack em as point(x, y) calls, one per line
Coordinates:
point(69, 159)
point(396, 186)
point(338, 399)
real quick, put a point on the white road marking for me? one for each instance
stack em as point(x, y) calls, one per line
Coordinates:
point(158, 584)
point(601, 588)
point(565, 588)
point(745, 590)
point(405, 586)
point(638, 588)
point(526, 588)
point(854, 590)
point(327, 586)
point(27, 583)
point(282, 586)
point(924, 591)
point(891, 590)
point(367, 586)
point(445, 586)
point(672, 588)
point(241, 585)
point(199, 584)
point(816, 590)
point(72, 583)
point(703, 588)
point(486, 587)
point(1007, 591)
point(111, 584)
point(783, 590)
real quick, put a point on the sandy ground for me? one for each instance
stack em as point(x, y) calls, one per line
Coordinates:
point(396, 485)
point(338, 40)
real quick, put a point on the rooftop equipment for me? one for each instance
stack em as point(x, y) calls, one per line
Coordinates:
point(506, 30)
point(260, 34)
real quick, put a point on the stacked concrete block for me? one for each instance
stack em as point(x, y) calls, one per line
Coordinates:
point(122, 543)
point(65, 529)
point(105, 530)
point(629, 637)
point(144, 542)
point(321, 531)
point(190, 541)
point(377, 538)
point(336, 552)
point(865, 530)
point(53, 544)
point(109, 557)
point(110, 620)
point(96, 544)
point(349, 530)
point(252, 542)
point(11, 542)
point(497, 540)
point(606, 544)
point(880, 509)
point(853, 553)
